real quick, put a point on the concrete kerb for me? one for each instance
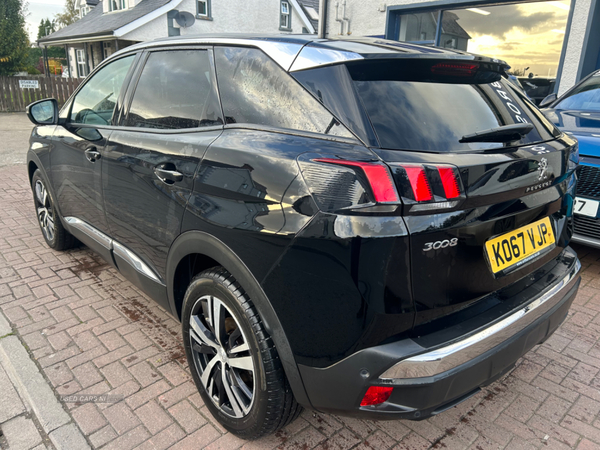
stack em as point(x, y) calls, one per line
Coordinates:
point(34, 389)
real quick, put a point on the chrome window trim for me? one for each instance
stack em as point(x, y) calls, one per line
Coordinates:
point(450, 356)
point(310, 57)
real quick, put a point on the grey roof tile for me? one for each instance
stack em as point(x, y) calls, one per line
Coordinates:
point(96, 22)
point(310, 4)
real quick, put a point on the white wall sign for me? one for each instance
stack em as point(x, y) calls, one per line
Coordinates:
point(29, 84)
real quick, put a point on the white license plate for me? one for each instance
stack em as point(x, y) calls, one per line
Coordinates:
point(586, 207)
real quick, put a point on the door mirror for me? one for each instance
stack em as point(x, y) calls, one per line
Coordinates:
point(43, 112)
point(548, 100)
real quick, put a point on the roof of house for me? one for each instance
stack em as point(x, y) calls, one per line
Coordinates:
point(314, 4)
point(96, 23)
point(451, 26)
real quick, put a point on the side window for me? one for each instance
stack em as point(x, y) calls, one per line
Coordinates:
point(96, 101)
point(175, 91)
point(255, 90)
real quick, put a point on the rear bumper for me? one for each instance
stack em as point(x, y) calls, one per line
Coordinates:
point(428, 381)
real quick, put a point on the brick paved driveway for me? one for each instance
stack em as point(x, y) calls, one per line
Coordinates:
point(90, 331)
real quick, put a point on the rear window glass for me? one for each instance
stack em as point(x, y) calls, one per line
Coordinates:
point(434, 116)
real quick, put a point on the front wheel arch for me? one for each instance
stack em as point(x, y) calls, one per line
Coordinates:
point(212, 252)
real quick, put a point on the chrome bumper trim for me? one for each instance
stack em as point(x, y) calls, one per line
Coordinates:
point(460, 352)
point(580, 239)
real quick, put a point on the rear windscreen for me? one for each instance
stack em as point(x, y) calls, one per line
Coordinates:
point(433, 115)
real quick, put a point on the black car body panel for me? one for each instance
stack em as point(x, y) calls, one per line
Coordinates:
point(338, 275)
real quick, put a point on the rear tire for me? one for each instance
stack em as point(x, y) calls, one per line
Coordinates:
point(55, 235)
point(232, 358)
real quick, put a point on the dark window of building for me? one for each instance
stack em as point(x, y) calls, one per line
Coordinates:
point(203, 8)
point(175, 91)
point(255, 90)
point(96, 101)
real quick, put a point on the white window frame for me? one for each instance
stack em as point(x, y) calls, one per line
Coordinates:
point(106, 49)
point(84, 10)
point(117, 5)
point(81, 62)
point(207, 7)
point(285, 16)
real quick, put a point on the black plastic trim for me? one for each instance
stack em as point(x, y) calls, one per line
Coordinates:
point(205, 244)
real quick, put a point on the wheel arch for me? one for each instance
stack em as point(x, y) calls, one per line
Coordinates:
point(208, 251)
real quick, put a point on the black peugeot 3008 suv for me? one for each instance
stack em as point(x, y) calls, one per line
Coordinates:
point(363, 227)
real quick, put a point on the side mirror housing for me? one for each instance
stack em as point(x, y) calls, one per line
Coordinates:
point(43, 112)
point(549, 99)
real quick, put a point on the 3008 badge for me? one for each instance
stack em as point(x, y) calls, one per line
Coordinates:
point(440, 244)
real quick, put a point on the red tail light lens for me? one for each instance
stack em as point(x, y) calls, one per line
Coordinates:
point(419, 183)
point(428, 187)
point(455, 69)
point(450, 182)
point(376, 395)
point(378, 175)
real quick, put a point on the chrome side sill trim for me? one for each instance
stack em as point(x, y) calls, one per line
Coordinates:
point(453, 355)
point(90, 231)
point(117, 249)
point(135, 262)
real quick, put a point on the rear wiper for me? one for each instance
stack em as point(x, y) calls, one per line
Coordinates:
point(506, 133)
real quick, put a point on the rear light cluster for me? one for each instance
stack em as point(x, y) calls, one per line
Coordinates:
point(343, 184)
point(340, 184)
point(426, 187)
point(378, 176)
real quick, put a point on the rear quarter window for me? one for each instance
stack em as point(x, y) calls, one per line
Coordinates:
point(255, 90)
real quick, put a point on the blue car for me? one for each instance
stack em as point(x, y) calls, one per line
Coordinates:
point(577, 113)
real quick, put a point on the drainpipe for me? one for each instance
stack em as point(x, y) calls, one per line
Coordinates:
point(322, 19)
point(337, 18)
point(68, 61)
point(345, 19)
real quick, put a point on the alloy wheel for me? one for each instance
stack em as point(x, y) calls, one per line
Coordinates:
point(44, 210)
point(222, 356)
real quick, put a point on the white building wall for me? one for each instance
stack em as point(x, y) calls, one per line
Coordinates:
point(574, 45)
point(369, 18)
point(366, 18)
point(257, 16)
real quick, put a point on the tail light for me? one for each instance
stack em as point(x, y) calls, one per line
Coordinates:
point(426, 187)
point(455, 69)
point(376, 395)
point(338, 184)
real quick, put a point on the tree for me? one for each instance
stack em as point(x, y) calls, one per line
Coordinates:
point(68, 16)
point(15, 43)
point(45, 28)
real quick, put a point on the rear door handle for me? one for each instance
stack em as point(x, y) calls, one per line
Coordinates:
point(168, 173)
point(92, 154)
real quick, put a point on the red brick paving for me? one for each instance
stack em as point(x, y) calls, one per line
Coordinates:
point(92, 332)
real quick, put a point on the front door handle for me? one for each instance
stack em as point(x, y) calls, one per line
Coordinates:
point(92, 154)
point(168, 173)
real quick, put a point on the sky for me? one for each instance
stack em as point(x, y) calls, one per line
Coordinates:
point(38, 10)
point(525, 35)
